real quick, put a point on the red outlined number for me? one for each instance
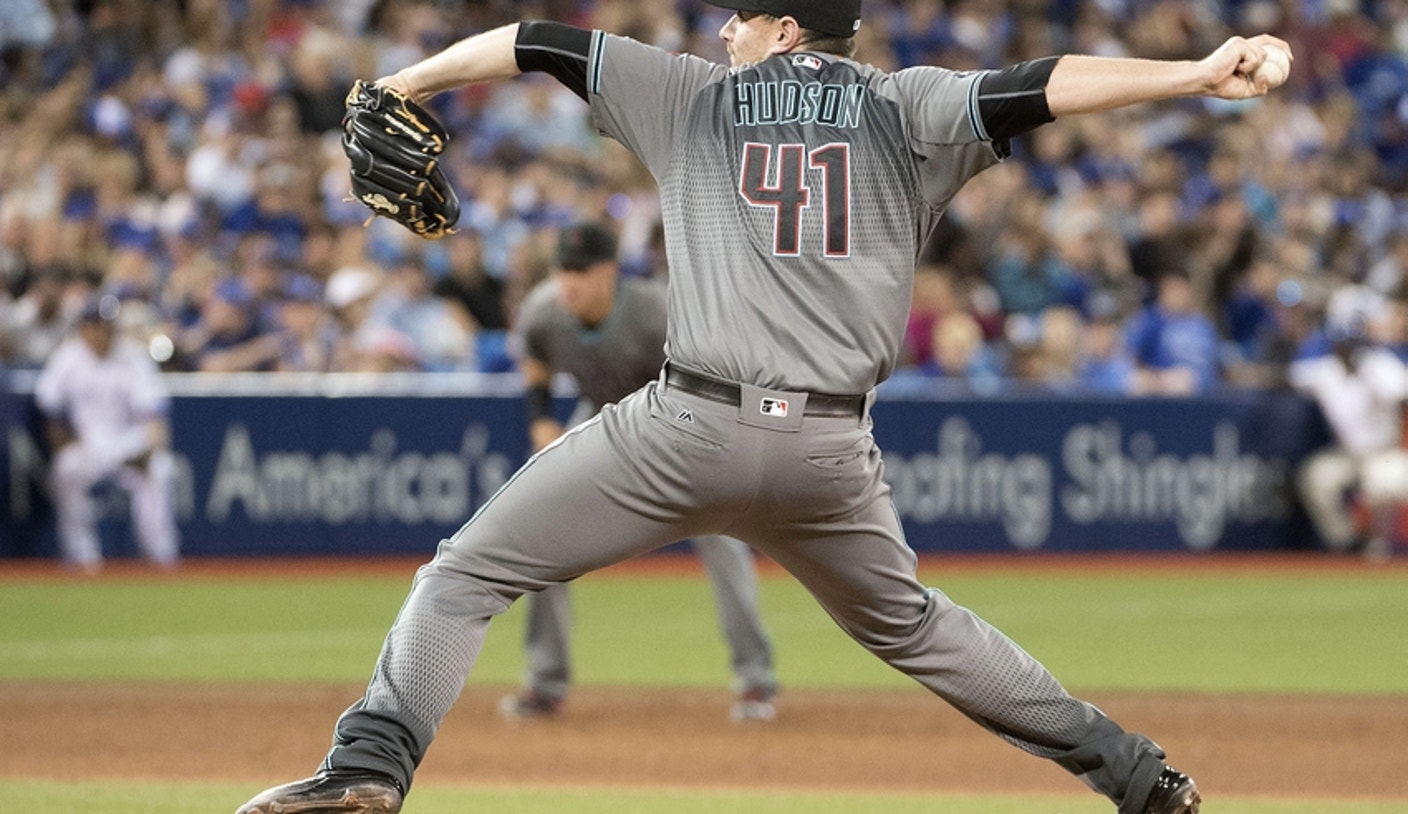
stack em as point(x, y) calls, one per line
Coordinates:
point(786, 191)
point(834, 161)
point(788, 196)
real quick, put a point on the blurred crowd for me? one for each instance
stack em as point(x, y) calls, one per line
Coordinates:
point(183, 155)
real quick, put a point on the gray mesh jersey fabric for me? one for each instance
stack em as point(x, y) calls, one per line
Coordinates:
point(757, 169)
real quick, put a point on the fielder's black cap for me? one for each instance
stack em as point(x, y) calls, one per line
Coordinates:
point(583, 245)
point(839, 18)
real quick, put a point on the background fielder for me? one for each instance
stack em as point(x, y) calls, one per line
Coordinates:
point(105, 412)
point(608, 333)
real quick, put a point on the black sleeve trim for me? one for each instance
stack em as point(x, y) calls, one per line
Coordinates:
point(539, 402)
point(1012, 101)
point(557, 49)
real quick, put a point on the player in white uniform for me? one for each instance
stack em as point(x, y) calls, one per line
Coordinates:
point(797, 189)
point(106, 418)
point(608, 333)
point(1361, 389)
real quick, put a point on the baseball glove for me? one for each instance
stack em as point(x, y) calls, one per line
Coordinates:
point(394, 145)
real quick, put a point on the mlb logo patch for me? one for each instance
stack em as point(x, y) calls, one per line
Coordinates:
point(807, 61)
point(777, 408)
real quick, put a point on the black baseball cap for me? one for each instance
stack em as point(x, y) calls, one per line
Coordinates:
point(583, 245)
point(839, 18)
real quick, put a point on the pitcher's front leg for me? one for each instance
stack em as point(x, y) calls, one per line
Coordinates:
point(559, 517)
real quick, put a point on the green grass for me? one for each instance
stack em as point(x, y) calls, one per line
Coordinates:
point(194, 798)
point(1224, 632)
point(1340, 631)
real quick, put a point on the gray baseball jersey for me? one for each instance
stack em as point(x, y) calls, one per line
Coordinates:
point(796, 194)
point(608, 361)
point(759, 172)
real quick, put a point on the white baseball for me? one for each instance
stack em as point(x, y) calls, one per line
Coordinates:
point(1276, 67)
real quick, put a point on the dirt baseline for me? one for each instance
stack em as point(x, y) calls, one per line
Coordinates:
point(900, 740)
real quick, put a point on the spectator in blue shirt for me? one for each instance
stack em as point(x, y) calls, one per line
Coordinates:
point(1174, 346)
point(227, 338)
point(1025, 270)
point(1104, 366)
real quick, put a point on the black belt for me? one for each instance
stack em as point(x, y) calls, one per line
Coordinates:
point(818, 404)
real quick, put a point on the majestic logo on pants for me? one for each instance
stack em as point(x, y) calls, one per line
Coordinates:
point(777, 408)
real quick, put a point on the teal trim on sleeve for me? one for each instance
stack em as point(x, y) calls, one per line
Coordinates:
point(594, 69)
point(975, 116)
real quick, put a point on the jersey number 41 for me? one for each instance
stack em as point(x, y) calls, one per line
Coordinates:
point(786, 188)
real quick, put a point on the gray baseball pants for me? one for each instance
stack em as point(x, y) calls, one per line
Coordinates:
point(729, 564)
point(663, 465)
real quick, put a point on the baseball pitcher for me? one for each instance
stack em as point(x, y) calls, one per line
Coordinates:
point(797, 187)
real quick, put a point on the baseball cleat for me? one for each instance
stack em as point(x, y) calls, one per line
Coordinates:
point(1173, 793)
point(530, 704)
point(753, 706)
point(330, 793)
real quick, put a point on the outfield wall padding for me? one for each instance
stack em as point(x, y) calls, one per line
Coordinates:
point(354, 465)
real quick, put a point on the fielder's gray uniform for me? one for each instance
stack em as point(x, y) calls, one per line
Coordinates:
point(609, 362)
point(796, 195)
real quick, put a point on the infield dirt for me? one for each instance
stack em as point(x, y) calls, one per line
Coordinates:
point(894, 740)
